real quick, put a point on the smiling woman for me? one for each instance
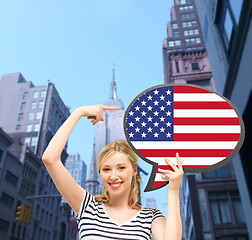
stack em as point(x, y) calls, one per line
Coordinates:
point(115, 214)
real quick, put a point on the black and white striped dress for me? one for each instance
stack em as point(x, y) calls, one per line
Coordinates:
point(94, 222)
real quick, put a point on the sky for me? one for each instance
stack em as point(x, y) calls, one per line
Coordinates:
point(75, 45)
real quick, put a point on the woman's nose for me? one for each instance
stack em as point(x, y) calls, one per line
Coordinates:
point(113, 174)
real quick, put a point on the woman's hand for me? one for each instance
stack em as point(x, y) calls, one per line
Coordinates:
point(95, 112)
point(174, 177)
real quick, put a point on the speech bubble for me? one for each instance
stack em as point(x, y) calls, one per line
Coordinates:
point(204, 127)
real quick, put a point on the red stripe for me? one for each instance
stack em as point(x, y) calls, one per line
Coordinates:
point(157, 184)
point(206, 121)
point(201, 105)
point(167, 167)
point(189, 89)
point(206, 136)
point(185, 152)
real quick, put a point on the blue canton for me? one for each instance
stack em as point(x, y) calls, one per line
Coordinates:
point(150, 118)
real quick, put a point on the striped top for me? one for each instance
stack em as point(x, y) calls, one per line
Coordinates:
point(94, 222)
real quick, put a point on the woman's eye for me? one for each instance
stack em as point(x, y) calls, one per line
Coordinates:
point(121, 168)
point(105, 169)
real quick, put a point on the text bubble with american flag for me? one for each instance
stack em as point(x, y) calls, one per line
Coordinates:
point(201, 125)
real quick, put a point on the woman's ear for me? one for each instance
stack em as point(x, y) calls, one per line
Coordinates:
point(135, 172)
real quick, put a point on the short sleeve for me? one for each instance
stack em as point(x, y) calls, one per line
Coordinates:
point(156, 214)
point(87, 199)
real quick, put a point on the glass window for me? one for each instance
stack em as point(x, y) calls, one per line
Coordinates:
point(177, 42)
point(34, 141)
point(184, 24)
point(42, 93)
point(194, 23)
point(20, 117)
point(238, 209)
point(197, 40)
point(31, 116)
point(196, 31)
point(7, 199)
point(27, 141)
point(36, 127)
point(29, 128)
point(174, 25)
point(38, 115)
point(228, 27)
point(171, 43)
point(190, 32)
point(189, 24)
point(176, 34)
point(186, 33)
point(219, 207)
point(187, 41)
point(18, 127)
point(25, 95)
point(23, 104)
point(195, 66)
point(41, 104)
point(33, 105)
point(35, 94)
point(236, 7)
point(11, 178)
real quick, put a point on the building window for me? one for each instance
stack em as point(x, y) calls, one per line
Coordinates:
point(186, 8)
point(42, 93)
point(192, 40)
point(177, 66)
point(4, 225)
point(36, 127)
point(174, 25)
point(25, 96)
point(177, 43)
point(229, 19)
point(185, 1)
point(195, 66)
point(23, 104)
point(1, 154)
point(7, 199)
point(31, 116)
point(41, 104)
point(18, 127)
point(175, 34)
point(38, 115)
point(33, 105)
point(191, 32)
point(223, 204)
point(20, 116)
point(11, 178)
point(35, 94)
point(186, 16)
point(29, 128)
point(171, 43)
point(34, 141)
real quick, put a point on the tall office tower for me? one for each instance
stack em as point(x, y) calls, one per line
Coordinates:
point(184, 55)
point(214, 193)
point(227, 34)
point(150, 202)
point(31, 115)
point(105, 132)
point(77, 168)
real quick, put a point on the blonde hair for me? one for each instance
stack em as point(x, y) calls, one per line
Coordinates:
point(123, 147)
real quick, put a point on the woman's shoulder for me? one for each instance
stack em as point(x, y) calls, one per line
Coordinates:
point(151, 212)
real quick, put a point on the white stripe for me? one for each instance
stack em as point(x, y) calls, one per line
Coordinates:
point(158, 177)
point(184, 145)
point(188, 160)
point(204, 113)
point(206, 129)
point(197, 97)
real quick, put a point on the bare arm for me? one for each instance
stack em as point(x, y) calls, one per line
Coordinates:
point(171, 229)
point(69, 189)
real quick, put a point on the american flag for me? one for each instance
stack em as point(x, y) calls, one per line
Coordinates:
point(198, 124)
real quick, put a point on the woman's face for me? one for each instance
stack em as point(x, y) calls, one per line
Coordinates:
point(116, 173)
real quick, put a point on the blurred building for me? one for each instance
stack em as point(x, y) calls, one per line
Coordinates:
point(77, 168)
point(105, 132)
point(227, 32)
point(210, 202)
point(30, 116)
point(150, 202)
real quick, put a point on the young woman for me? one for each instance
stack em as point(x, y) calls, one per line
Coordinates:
point(115, 214)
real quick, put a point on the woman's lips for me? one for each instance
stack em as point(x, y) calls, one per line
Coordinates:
point(115, 185)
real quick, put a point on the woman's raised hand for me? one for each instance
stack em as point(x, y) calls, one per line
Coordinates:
point(95, 112)
point(174, 177)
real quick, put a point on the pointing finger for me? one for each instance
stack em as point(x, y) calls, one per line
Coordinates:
point(104, 107)
point(179, 161)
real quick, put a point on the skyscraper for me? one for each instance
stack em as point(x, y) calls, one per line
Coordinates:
point(209, 201)
point(105, 132)
point(184, 55)
point(30, 115)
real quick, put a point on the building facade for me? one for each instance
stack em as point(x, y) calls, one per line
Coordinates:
point(31, 115)
point(227, 32)
point(210, 202)
point(105, 132)
point(77, 168)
